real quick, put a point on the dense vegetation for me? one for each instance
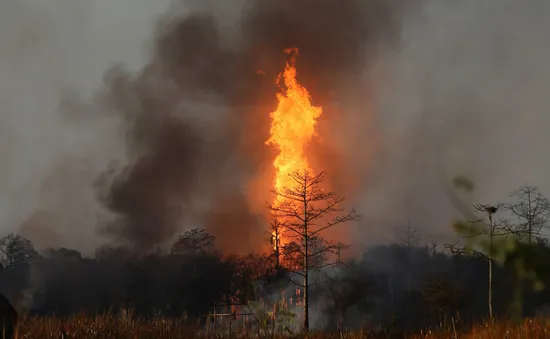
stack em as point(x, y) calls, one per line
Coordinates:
point(405, 287)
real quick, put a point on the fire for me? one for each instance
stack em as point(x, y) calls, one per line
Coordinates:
point(292, 127)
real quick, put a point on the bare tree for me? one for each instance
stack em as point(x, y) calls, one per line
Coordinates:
point(194, 241)
point(432, 248)
point(532, 210)
point(306, 210)
point(488, 229)
point(408, 236)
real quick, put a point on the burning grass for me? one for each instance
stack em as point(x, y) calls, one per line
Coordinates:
point(110, 326)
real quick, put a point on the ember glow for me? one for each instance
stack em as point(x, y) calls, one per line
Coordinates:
point(292, 127)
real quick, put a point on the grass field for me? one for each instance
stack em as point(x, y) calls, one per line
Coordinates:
point(107, 326)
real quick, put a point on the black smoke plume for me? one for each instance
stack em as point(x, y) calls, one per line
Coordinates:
point(196, 117)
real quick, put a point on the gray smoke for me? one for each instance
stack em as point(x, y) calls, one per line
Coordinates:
point(53, 55)
point(464, 94)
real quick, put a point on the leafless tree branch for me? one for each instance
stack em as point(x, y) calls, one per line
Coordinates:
point(306, 210)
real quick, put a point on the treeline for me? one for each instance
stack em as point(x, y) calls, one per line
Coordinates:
point(407, 285)
point(188, 280)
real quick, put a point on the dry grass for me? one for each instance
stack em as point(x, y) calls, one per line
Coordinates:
point(108, 326)
point(528, 329)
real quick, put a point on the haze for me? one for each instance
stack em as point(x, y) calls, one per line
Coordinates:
point(463, 91)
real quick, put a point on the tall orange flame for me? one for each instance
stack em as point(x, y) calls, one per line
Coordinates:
point(292, 127)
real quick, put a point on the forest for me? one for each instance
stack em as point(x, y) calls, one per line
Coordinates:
point(497, 269)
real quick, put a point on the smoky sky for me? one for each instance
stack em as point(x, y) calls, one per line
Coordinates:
point(463, 94)
point(191, 114)
point(126, 124)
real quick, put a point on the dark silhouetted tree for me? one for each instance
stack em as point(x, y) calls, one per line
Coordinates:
point(63, 253)
point(277, 231)
point(408, 236)
point(442, 296)
point(194, 241)
point(17, 250)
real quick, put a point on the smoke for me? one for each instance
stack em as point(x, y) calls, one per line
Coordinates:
point(463, 94)
point(193, 113)
point(53, 55)
point(122, 127)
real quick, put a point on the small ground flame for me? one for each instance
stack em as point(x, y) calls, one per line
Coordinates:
point(292, 127)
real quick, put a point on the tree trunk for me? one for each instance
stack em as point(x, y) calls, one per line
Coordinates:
point(490, 287)
point(277, 252)
point(340, 321)
point(306, 287)
point(529, 220)
point(306, 261)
